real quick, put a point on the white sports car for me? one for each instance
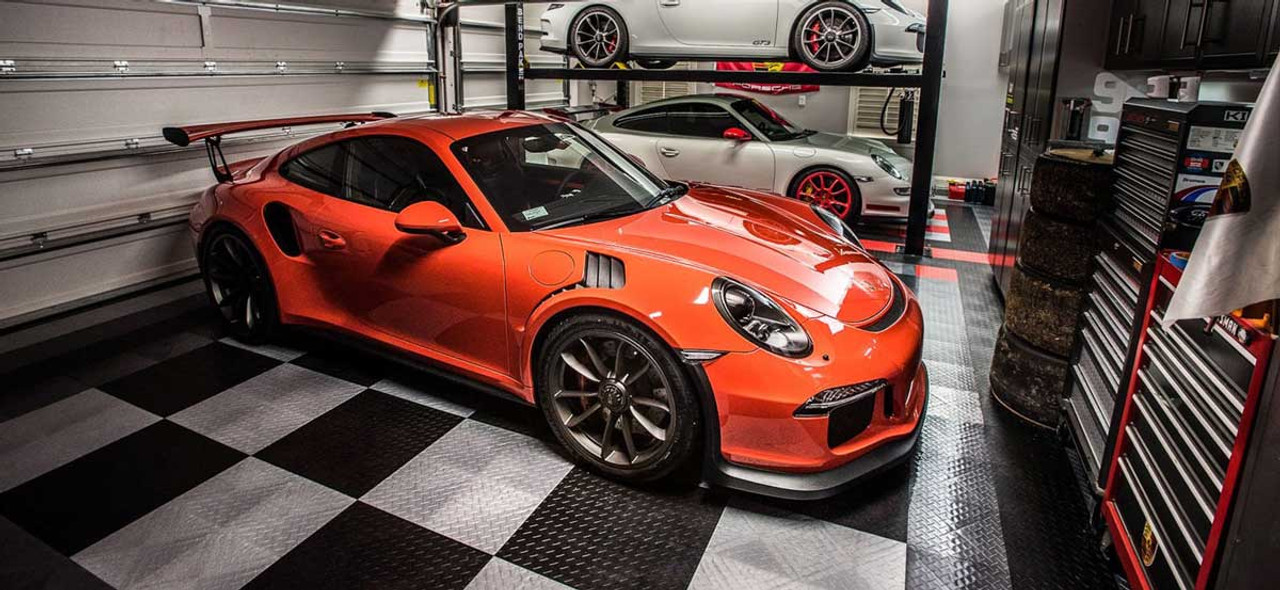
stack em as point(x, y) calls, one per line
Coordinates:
point(828, 35)
point(735, 140)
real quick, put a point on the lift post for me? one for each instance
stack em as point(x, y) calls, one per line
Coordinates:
point(927, 129)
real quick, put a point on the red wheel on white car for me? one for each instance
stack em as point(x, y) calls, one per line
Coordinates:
point(832, 190)
point(598, 37)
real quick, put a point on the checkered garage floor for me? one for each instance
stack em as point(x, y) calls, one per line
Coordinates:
point(176, 458)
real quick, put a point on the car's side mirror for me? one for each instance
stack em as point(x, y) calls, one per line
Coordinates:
point(429, 218)
point(737, 134)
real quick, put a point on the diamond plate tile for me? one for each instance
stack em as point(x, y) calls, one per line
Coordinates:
point(275, 350)
point(367, 548)
point(220, 534)
point(173, 385)
point(594, 533)
point(260, 411)
point(477, 484)
point(28, 563)
point(499, 574)
point(427, 392)
point(42, 440)
point(951, 376)
point(776, 549)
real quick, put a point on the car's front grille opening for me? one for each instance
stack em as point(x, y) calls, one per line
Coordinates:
point(848, 421)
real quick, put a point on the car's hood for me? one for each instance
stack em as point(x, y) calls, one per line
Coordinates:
point(740, 234)
point(860, 146)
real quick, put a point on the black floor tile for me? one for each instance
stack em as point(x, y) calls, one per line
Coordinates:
point(185, 380)
point(82, 502)
point(592, 533)
point(25, 391)
point(26, 562)
point(345, 363)
point(356, 445)
point(877, 505)
point(364, 547)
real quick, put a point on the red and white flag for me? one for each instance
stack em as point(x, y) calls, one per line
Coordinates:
point(1236, 260)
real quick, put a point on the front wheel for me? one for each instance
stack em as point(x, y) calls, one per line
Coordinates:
point(618, 399)
point(832, 190)
point(238, 284)
point(833, 37)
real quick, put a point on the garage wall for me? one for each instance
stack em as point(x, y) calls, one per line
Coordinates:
point(483, 59)
point(971, 114)
point(91, 198)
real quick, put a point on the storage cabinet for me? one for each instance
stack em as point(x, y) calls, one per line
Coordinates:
point(1192, 34)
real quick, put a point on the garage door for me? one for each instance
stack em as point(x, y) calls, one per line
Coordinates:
point(483, 43)
point(92, 199)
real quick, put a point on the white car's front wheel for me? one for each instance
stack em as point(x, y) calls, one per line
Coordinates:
point(833, 37)
point(830, 189)
point(598, 37)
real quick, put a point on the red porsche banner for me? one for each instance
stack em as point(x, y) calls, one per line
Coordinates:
point(746, 66)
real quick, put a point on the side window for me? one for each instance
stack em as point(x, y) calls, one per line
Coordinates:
point(648, 121)
point(394, 172)
point(700, 120)
point(319, 170)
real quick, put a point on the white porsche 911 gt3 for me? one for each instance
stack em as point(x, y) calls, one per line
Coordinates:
point(735, 140)
point(827, 35)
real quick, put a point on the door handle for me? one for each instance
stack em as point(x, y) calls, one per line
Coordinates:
point(669, 152)
point(331, 240)
point(669, 2)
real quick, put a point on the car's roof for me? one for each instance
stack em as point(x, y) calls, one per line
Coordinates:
point(469, 124)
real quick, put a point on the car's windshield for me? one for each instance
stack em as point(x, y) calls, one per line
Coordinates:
point(555, 174)
point(768, 121)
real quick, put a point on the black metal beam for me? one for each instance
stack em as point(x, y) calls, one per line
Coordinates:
point(927, 129)
point(866, 79)
point(515, 56)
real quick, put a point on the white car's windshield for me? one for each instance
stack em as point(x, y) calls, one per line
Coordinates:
point(768, 121)
point(554, 175)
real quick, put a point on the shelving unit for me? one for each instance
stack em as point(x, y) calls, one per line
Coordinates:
point(929, 82)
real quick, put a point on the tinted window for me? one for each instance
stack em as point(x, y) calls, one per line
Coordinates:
point(552, 175)
point(319, 170)
point(649, 121)
point(767, 120)
point(700, 120)
point(386, 172)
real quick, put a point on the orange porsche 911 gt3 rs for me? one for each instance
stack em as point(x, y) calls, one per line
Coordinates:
point(660, 327)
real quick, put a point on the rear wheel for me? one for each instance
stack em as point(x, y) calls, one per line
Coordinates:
point(238, 284)
point(832, 37)
point(832, 190)
point(598, 37)
point(617, 398)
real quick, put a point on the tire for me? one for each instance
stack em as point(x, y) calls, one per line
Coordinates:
point(656, 64)
point(832, 36)
point(588, 416)
point(238, 284)
point(840, 195)
point(603, 45)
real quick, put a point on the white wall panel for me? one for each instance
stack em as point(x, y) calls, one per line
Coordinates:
point(80, 147)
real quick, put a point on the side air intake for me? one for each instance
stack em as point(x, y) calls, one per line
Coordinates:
point(604, 272)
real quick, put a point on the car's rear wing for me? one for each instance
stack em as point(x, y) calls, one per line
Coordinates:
point(212, 133)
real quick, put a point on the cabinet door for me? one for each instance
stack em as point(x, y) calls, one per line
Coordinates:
point(1137, 29)
point(1234, 32)
point(1182, 32)
point(1122, 14)
point(1273, 46)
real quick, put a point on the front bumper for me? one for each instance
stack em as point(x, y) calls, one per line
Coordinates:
point(757, 443)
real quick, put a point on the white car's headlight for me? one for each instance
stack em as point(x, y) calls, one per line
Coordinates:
point(554, 7)
point(886, 165)
point(837, 225)
point(757, 318)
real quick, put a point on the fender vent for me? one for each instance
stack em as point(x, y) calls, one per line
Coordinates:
point(280, 224)
point(604, 272)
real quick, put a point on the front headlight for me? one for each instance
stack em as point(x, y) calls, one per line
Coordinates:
point(758, 319)
point(886, 165)
point(554, 7)
point(837, 225)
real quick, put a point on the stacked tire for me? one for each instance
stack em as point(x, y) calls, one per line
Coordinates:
point(1070, 189)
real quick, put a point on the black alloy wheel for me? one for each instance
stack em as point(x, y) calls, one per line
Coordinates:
point(618, 399)
point(833, 37)
point(598, 37)
point(238, 284)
